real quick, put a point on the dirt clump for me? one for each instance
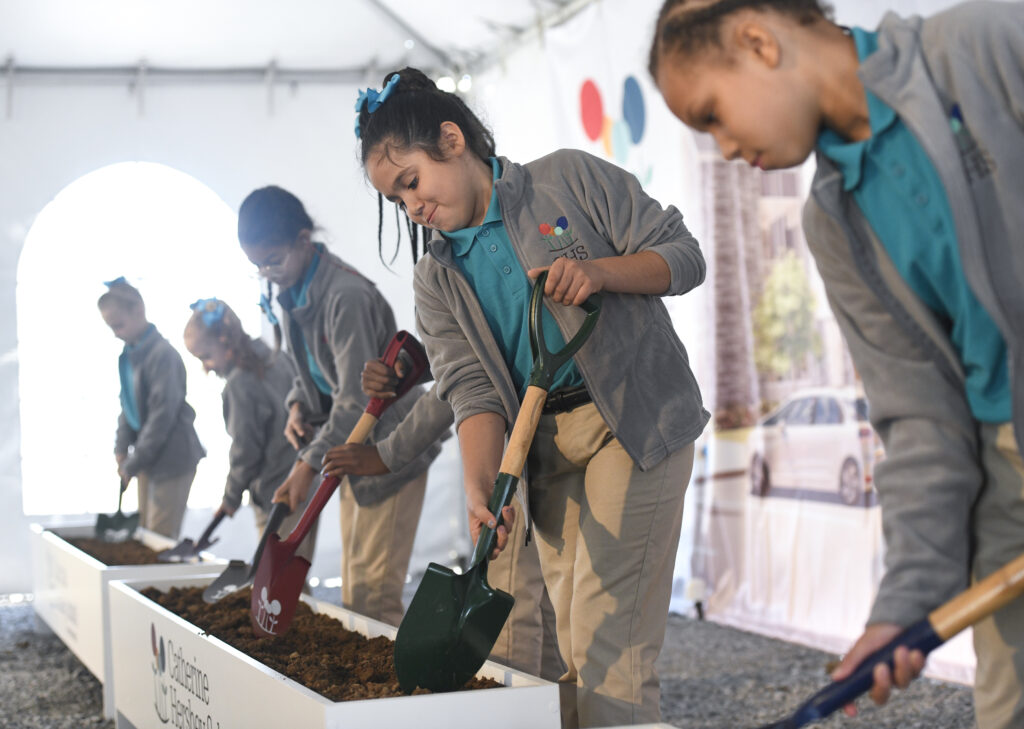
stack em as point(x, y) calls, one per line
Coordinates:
point(115, 553)
point(317, 651)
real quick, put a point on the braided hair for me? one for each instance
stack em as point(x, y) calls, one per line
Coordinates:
point(689, 26)
point(411, 118)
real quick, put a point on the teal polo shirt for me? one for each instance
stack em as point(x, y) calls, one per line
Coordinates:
point(897, 188)
point(126, 373)
point(296, 296)
point(485, 256)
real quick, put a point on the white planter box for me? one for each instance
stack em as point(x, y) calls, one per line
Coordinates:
point(70, 590)
point(215, 686)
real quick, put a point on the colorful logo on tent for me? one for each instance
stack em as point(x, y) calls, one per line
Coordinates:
point(617, 136)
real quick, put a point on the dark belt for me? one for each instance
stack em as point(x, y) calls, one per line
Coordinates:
point(565, 399)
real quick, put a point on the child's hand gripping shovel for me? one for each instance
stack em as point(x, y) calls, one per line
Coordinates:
point(117, 527)
point(927, 634)
point(280, 574)
point(238, 574)
point(454, 619)
point(186, 549)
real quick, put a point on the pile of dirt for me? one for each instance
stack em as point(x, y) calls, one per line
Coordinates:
point(317, 651)
point(115, 553)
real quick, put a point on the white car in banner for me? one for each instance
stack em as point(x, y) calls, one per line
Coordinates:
point(818, 444)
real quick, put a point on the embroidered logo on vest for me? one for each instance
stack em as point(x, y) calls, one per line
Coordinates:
point(560, 239)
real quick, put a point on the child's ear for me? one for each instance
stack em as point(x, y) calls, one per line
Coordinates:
point(452, 140)
point(758, 39)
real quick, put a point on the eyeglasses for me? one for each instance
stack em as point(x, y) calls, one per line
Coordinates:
point(274, 263)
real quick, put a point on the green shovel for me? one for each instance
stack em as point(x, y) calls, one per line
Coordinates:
point(454, 619)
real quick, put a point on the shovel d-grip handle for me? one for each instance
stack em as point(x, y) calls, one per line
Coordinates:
point(545, 366)
point(545, 363)
point(925, 635)
point(403, 343)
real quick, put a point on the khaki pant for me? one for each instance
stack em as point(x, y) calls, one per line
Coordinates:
point(162, 502)
point(528, 642)
point(607, 536)
point(998, 532)
point(376, 544)
point(307, 549)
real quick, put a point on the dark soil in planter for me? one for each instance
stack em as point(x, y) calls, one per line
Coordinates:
point(115, 553)
point(317, 651)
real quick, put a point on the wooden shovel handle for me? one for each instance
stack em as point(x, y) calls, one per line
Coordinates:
point(983, 599)
point(522, 431)
point(363, 428)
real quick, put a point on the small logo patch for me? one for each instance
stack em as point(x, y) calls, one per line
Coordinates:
point(560, 239)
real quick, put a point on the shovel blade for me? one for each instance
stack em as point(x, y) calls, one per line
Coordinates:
point(180, 552)
point(276, 587)
point(116, 527)
point(449, 629)
point(234, 577)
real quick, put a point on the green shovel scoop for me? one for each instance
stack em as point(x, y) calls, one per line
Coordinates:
point(454, 619)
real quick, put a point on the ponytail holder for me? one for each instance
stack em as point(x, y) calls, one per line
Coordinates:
point(372, 99)
point(268, 310)
point(210, 310)
point(115, 282)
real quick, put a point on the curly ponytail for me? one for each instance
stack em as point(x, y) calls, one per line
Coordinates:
point(411, 118)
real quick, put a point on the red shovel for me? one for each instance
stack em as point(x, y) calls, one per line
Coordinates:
point(281, 574)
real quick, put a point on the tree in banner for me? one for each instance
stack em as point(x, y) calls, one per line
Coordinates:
point(733, 210)
point(785, 335)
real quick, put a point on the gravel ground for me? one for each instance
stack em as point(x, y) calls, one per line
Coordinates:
point(716, 677)
point(42, 684)
point(712, 677)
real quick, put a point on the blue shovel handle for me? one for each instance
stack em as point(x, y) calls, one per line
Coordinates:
point(919, 636)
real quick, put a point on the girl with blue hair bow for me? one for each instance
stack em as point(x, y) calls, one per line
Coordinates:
point(156, 442)
point(613, 451)
point(256, 383)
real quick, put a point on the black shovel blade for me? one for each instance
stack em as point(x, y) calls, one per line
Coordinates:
point(234, 577)
point(116, 527)
point(449, 629)
point(180, 552)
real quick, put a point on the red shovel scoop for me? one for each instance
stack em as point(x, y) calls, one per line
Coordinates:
point(281, 574)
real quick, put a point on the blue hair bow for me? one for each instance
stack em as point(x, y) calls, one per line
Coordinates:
point(372, 99)
point(268, 309)
point(115, 282)
point(210, 310)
